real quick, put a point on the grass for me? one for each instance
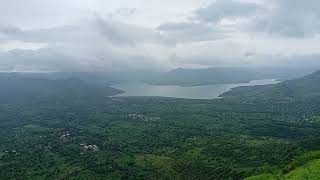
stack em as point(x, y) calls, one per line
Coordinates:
point(262, 177)
point(310, 171)
point(304, 167)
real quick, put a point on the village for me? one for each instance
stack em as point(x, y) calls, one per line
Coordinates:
point(145, 118)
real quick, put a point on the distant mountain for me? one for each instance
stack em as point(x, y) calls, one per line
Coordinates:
point(197, 77)
point(21, 87)
point(105, 78)
point(307, 86)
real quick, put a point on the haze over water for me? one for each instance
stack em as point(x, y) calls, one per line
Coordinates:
point(194, 92)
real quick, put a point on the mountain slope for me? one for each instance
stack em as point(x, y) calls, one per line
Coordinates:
point(20, 87)
point(307, 86)
point(306, 166)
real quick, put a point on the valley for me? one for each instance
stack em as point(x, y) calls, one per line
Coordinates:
point(91, 136)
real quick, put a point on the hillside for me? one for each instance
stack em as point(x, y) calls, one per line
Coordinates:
point(307, 86)
point(306, 166)
point(22, 87)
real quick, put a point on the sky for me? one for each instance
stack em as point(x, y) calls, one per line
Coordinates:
point(112, 35)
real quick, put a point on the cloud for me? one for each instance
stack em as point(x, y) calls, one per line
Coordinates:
point(222, 9)
point(310, 61)
point(125, 34)
point(156, 35)
point(95, 44)
point(32, 60)
point(174, 33)
point(49, 59)
point(7, 32)
point(12, 45)
point(292, 18)
point(92, 29)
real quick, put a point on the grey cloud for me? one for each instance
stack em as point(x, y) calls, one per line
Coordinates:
point(94, 44)
point(124, 34)
point(94, 30)
point(99, 43)
point(55, 60)
point(292, 18)
point(310, 61)
point(124, 12)
point(58, 34)
point(298, 61)
point(226, 9)
point(41, 14)
point(190, 32)
point(8, 32)
point(45, 59)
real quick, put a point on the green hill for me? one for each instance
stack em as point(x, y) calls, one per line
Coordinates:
point(22, 87)
point(306, 166)
point(307, 86)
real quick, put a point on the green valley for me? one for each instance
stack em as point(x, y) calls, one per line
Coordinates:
point(73, 135)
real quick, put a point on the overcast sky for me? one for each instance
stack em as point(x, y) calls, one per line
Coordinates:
point(106, 35)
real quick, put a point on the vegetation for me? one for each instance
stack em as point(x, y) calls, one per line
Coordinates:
point(72, 135)
point(305, 87)
point(306, 166)
point(17, 87)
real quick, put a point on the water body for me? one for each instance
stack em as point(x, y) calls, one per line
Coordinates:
point(195, 92)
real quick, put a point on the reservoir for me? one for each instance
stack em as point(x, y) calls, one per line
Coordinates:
point(195, 92)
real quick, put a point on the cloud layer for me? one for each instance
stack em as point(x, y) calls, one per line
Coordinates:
point(95, 36)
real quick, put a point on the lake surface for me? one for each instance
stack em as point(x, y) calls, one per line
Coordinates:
point(195, 92)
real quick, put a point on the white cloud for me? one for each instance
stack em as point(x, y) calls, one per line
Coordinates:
point(222, 9)
point(12, 45)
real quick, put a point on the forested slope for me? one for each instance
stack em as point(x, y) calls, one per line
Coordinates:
point(22, 87)
point(303, 167)
point(305, 87)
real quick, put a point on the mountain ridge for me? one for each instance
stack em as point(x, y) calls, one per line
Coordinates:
point(304, 87)
point(23, 87)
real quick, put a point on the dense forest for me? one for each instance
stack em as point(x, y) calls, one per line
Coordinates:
point(70, 129)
